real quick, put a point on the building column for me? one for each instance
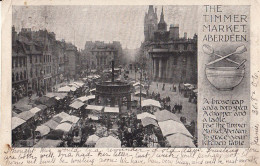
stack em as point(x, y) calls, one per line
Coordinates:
point(160, 68)
point(153, 75)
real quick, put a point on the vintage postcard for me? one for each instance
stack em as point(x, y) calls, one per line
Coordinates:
point(130, 82)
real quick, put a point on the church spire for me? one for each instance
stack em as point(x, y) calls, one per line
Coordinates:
point(162, 17)
point(162, 24)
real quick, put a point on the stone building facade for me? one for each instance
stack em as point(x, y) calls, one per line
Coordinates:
point(98, 55)
point(170, 58)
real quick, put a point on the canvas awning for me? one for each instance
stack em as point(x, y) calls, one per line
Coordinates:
point(41, 106)
point(151, 102)
point(79, 83)
point(165, 115)
point(16, 122)
point(74, 85)
point(25, 115)
point(64, 127)
point(93, 117)
point(95, 107)
point(76, 104)
point(62, 115)
point(50, 95)
point(92, 140)
point(67, 89)
point(51, 124)
point(195, 90)
point(71, 118)
point(149, 121)
point(47, 143)
point(144, 115)
point(180, 141)
point(187, 84)
point(172, 127)
point(138, 84)
point(61, 95)
point(86, 98)
point(35, 110)
point(111, 109)
point(92, 90)
point(108, 142)
point(44, 130)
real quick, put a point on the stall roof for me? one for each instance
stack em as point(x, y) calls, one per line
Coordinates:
point(180, 141)
point(17, 122)
point(149, 121)
point(138, 92)
point(35, 110)
point(43, 129)
point(71, 118)
point(93, 117)
point(138, 84)
point(41, 106)
point(91, 90)
point(108, 142)
point(151, 102)
point(51, 124)
point(79, 83)
point(50, 95)
point(64, 127)
point(144, 115)
point(61, 95)
point(86, 98)
point(111, 109)
point(76, 104)
point(67, 89)
point(74, 85)
point(62, 115)
point(165, 115)
point(187, 84)
point(25, 115)
point(95, 107)
point(172, 127)
point(44, 143)
point(92, 139)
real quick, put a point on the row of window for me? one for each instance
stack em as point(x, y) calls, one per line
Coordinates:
point(19, 76)
point(18, 62)
point(37, 72)
point(40, 58)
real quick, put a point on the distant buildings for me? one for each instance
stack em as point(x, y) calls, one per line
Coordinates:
point(170, 58)
point(39, 61)
point(98, 55)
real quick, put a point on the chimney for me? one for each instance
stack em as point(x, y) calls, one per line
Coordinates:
point(185, 35)
point(174, 31)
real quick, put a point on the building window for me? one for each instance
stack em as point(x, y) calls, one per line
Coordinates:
point(17, 77)
point(50, 58)
point(21, 75)
point(176, 46)
point(24, 73)
point(16, 62)
point(12, 77)
point(30, 58)
point(185, 46)
point(31, 73)
point(175, 60)
point(44, 58)
point(21, 62)
point(36, 59)
point(12, 63)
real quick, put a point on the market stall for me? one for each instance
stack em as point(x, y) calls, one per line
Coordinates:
point(179, 140)
point(108, 142)
point(144, 115)
point(165, 115)
point(151, 102)
point(172, 127)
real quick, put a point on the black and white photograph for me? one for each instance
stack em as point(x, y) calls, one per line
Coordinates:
point(104, 76)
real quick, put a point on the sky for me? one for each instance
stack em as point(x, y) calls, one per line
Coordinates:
point(78, 24)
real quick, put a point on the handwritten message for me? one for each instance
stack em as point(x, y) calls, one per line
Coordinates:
point(80, 156)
